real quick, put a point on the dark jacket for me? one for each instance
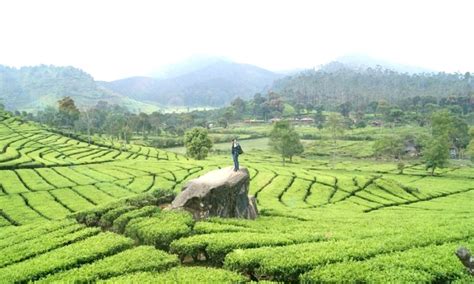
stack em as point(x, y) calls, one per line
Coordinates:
point(237, 149)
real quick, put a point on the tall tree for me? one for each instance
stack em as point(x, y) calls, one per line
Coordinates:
point(470, 147)
point(335, 124)
point(197, 142)
point(67, 112)
point(285, 140)
point(85, 123)
point(319, 118)
point(144, 125)
point(345, 108)
point(226, 117)
point(436, 154)
point(274, 104)
point(239, 107)
point(443, 123)
point(459, 135)
point(259, 106)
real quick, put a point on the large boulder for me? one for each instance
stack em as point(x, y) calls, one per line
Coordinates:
point(222, 193)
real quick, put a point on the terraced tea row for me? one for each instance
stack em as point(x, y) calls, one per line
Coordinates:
point(301, 188)
point(285, 249)
point(30, 195)
point(25, 145)
point(73, 212)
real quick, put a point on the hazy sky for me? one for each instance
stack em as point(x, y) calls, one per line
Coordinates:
point(115, 39)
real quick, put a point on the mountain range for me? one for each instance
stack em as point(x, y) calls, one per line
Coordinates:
point(214, 84)
point(201, 82)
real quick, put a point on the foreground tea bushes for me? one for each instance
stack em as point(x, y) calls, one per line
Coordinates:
point(16, 234)
point(211, 227)
point(142, 258)
point(277, 263)
point(141, 219)
point(181, 275)
point(160, 229)
point(367, 274)
point(434, 263)
point(216, 246)
point(44, 243)
point(66, 257)
point(119, 213)
point(118, 225)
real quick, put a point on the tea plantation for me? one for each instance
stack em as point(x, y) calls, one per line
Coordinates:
point(74, 212)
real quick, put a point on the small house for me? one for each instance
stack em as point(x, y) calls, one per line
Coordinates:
point(307, 120)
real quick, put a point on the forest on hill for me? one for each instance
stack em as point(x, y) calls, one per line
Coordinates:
point(337, 83)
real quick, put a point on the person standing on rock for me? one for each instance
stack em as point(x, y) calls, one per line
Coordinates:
point(236, 151)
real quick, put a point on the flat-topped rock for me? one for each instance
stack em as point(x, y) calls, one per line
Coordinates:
point(222, 193)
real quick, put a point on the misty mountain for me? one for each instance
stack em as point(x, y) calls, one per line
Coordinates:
point(34, 88)
point(186, 66)
point(214, 84)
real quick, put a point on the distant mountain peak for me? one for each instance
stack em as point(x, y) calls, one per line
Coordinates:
point(211, 81)
point(188, 65)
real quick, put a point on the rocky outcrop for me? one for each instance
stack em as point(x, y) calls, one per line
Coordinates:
point(222, 193)
point(467, 260)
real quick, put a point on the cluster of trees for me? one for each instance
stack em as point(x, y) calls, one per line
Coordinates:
point(449, 136)
point(259, 107)
point(118, 122)
point(416, 109)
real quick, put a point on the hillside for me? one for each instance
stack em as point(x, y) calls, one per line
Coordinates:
point(73, 212)
point(215, 84)
point(336, 83)
point(34, 88)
